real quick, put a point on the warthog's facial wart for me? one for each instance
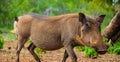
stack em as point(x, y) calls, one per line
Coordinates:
point(79, 40)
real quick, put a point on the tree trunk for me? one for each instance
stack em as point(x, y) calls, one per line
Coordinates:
point(112, 31)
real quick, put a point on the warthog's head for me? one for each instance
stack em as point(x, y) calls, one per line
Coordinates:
point(90, 32)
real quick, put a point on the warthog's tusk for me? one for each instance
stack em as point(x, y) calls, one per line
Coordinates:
point(79, 40)
point(110, 41)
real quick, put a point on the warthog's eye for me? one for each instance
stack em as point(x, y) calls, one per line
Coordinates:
point(87, 26)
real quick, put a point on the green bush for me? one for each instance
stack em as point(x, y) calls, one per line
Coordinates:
point(1, 42)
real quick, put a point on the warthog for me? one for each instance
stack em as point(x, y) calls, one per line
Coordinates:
point(54, 32)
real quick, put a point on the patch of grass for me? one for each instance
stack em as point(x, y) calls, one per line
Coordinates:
point(39, 52)
point(105, 39)
point(115, 49)
point(80, 48)
point(29, 42)
point(89, 52)
point(1, 42)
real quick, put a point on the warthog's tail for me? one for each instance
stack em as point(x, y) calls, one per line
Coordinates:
point(15, 25)
point(16, 18)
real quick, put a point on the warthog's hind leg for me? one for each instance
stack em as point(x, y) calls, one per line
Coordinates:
point(31, 48)
point(20, 45)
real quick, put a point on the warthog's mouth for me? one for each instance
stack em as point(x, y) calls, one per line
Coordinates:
point(102, 52)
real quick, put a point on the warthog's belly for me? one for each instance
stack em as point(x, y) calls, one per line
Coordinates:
point(47, 41)
point(48, 44)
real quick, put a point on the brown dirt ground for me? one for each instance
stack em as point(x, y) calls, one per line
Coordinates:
point(7, 54)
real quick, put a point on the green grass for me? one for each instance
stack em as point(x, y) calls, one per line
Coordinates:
point(1, 42)
point(39, 52)
point(105, 39)
point(80, 48)
point(115, 49)
point(89, 52)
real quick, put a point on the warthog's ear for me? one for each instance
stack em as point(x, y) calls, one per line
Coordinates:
point(16, 18)
point(82, 18)
point(100, 18)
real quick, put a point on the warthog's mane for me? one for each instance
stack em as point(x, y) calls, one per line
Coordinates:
point(35, 15)
point(72, 15)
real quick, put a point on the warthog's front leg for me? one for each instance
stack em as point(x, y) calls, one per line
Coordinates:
point(20, 45)
point(65, 56)
point(31, 49)
point(70, 52)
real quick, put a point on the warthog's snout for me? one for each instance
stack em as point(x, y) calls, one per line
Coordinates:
point(103, 51)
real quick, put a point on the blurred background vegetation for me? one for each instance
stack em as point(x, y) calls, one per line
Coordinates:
point(11, 8)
